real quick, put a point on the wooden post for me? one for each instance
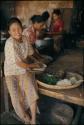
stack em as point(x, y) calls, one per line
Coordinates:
point(6, 101)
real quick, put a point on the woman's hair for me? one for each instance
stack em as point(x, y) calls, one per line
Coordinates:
point(36, 18)
point(45, 15)
point(57, 12)
point(13, 20)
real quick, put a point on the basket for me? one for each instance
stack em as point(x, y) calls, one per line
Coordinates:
point(69, 74)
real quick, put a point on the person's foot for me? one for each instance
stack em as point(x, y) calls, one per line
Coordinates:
point(27, 120)
point(27, 123)
point(32, 122)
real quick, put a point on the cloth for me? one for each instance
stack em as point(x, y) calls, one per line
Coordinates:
point(16, 51)
point(23, 91)
point(30, 33)
point(55, 27)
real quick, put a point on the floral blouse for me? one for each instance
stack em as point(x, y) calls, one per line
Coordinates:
point(16, 51)
point(30, 33)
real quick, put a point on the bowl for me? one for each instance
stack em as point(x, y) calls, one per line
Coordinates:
point(40, 69)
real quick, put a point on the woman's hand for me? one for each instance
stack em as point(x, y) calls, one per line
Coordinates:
point(31, 66)
point(36, 65)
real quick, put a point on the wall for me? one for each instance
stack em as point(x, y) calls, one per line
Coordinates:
point(25, 9)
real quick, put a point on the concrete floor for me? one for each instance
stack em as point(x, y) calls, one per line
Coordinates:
point(71, 60)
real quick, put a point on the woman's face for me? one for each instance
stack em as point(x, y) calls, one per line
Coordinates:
point(39, 26)
point(55, 17)
point(15, 31)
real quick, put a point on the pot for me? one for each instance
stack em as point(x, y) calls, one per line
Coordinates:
point(44, 43)
point(40, 43)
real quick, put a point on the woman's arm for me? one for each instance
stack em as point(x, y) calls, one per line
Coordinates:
point(25, 65)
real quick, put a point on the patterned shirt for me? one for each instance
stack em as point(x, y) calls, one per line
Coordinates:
point(16, 51)
point(30, 33)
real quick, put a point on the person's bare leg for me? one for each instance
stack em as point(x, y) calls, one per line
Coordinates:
point(26, 115)
point(19, 108)
point(33, 108)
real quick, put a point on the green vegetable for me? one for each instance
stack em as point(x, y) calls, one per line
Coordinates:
point(49, 79)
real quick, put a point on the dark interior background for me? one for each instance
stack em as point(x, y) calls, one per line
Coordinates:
point(72, 14)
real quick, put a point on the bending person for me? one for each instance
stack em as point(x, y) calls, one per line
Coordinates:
point(20, 82)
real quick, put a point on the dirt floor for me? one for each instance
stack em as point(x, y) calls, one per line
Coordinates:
point(71, 60)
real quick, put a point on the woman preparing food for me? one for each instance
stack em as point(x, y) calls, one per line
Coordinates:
point(33, 32)
point(20, 82)
point(57, 29)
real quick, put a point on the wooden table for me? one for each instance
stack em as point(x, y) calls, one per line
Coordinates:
point(75, 96)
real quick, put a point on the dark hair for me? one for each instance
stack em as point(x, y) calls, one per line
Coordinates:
point(33, 17)
point(13, 20)
point(45, 15)
point(36, 18)
point(57, 12)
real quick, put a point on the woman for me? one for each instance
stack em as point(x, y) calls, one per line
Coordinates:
point(32, 31)
point(45, 16)
point(56, 29)
point(20, 82)
point(57, 23)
